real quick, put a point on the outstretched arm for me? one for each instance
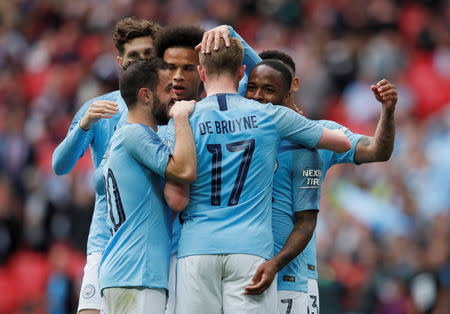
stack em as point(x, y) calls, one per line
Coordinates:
point(379, 147)
point(305, 223)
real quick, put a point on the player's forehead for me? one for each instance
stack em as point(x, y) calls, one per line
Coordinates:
point(138, 44)
point(181, 55)
point(264, 74)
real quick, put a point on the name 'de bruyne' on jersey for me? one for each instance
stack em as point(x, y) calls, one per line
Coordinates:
point(228, 126)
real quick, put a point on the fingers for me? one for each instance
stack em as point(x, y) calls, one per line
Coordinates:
point(216, 41)
point(97, 116)
point(211, 39)
point(260, 286)
point(182, 107)
point(110, 106)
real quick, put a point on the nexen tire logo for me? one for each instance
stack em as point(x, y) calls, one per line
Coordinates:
point(312, 176)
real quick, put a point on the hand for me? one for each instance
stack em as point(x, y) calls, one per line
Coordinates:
point(262, 279)
point(182, 107)
point(214, 34)
point(385, 93)
point(97, 110)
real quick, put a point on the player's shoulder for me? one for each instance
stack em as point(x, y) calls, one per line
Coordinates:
point(226, 102)
point(112, 96)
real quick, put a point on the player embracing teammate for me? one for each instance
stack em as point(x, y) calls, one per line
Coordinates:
point(225, 252)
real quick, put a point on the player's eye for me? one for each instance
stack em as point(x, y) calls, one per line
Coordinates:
point(189, 68)
point(133, 55)
point(172, 67)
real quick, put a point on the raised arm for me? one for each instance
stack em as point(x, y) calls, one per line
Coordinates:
point(182, 165)
point(80, 135)
point(379, 147)
point(211, 42)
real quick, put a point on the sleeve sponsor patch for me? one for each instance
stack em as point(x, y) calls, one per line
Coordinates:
point(311, 178)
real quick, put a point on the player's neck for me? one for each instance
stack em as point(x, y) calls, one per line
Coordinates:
point(221, 85)
point(141, 116)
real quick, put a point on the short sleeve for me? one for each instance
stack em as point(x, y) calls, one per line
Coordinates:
point(294, 127)
point(348, 156)
point(307, 174)
point(144, 145)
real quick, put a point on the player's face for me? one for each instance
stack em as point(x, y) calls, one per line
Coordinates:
point(165, 98)
point(266, 85)
point(183, 70)
point(137, 48)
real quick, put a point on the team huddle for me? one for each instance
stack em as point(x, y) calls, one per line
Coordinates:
point(207, 205)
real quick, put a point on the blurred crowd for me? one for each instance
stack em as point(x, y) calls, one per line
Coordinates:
point(383, 231)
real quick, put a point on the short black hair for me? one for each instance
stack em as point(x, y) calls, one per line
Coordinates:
point(279, 55)
point(184, 36)
point(138, 74)
point(280, 67)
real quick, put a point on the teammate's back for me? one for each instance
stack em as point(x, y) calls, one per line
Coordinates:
point(227, 231)
point(237, 141)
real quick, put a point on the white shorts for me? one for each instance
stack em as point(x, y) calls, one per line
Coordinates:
point(133, 301)
point(170, 308)
point(313, 297)
point(209, 284)
point(292, 302)
point(90, 298)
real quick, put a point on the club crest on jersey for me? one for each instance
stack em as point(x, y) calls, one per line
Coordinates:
point(312, 177)
point(276, 166)
point(88, 291)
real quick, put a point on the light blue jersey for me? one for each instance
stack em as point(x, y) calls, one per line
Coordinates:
point(329, 158)
point(137, 254)
point(295, 275)
point(296, 187)
point(230, 202)
point(251, 58)
point(75, 145)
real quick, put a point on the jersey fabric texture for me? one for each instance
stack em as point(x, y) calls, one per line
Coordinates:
point(296, 187)
point(230, 202)
point(329, 158)
point(75, 145)
point(138, 253)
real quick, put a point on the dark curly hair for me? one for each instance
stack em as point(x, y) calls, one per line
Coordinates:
point(185, 36)
point(130, 28)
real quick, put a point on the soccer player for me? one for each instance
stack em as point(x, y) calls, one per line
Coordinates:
point(134, 268)
point(300, 276)
point(93, 125)
point(226, 233)
point(176, 45)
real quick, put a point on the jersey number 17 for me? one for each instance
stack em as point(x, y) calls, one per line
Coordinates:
point(248, 146)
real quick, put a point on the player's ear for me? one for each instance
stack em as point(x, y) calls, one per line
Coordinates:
point(145, 95)
point(119, 61)
point(295, 84)
point(201, 71)
point(242, 71)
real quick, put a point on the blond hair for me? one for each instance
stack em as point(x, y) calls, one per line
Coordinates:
point(224, 60)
